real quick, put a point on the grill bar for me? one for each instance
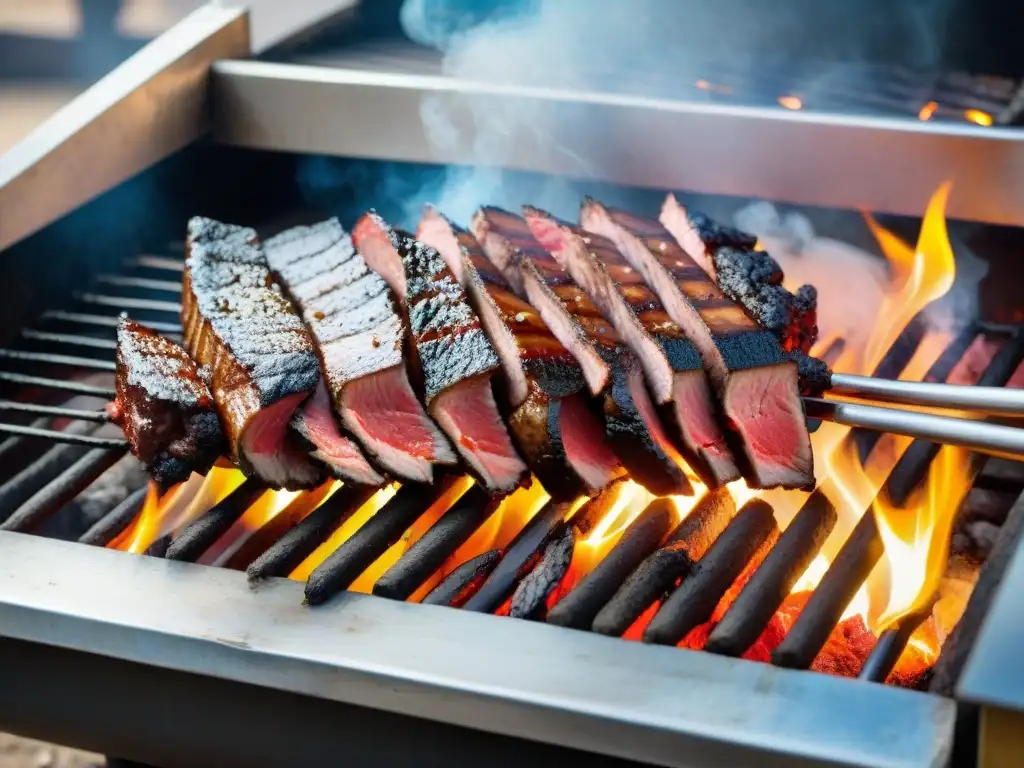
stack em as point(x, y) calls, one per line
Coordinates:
point(166, 263)
point(128, 302)
point(63, 489)
point(116, 521)
point(692, 603)
point(55, 411)
point(45, 357)
point(288, 552)
point(22, 486)
point(459, 585)
point(578, 608)
point(201, 534)
point(422, 559)
point(890, 646)
point(105, 321)
point(130, 281)
point(66, 438)
point(799, 544)
point(372, 540)
point(659, 572)
point(68, 339)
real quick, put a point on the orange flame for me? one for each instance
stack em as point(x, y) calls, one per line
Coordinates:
point(791, 102)
point(928, 111)
point(978, 117)
point(916, 536)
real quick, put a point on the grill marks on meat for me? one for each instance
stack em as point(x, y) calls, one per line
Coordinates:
point(634, 431)
point(750, 277)
point(448, 348)
point(557, 435)
point(757, 387)
point(164, 406)
point(359, 338)
point(671, 363)
point(259, 354)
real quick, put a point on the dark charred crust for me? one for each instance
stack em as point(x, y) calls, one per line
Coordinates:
point(164, 406)
point(815, 376)
point(438, 305)
point(537, 433)
point(681, 354)
point(749, 349)
point(713, 234)
point(556, 378)
point(528, 601)
point(753, 279)
point(631, 441)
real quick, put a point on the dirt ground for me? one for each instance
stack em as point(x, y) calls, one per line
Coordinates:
point(16, 752)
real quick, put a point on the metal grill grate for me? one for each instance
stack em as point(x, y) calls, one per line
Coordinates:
point(44, 363)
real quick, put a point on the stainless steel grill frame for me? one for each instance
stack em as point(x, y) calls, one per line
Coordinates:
point(141, 631)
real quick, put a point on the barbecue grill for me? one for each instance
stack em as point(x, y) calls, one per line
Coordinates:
point(161, 660)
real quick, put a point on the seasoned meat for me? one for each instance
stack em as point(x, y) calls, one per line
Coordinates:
point(448, 349)
point(755, 382)
point(635, 433)
point(164, 406)
point(260, 356)
point(672, 366)
point(557, 435)
point(359, 337)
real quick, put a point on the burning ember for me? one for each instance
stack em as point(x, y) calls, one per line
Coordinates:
point(582, 546)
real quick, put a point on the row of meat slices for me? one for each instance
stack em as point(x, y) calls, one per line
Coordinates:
point(528, 345)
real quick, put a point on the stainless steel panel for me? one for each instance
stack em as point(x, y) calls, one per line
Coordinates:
point(149, 107)
point(994, 674)
point(659, 705)
point(841, 161)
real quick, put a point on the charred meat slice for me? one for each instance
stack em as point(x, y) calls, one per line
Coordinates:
point(672, 365)
point(316, 422)
point(559, 438)
point(756, 385)
point(576, 322)
point(748, 276)
point(448, 349)
point(164, 406)
point(260, 356)
point(359, 338)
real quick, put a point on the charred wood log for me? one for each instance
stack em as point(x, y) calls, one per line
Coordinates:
point(660, 571)
point(459, 585)
point(695, 599)
point(578, 608)
point(747, 617)
point(202, 533)
point(116, 521)
point(430, 551)
point(530, 596)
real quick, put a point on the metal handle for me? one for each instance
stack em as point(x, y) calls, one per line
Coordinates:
point(994, 401)
point(991, 439)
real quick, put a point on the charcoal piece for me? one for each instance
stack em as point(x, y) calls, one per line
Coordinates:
point(459, 585)
point(519, 555)
point(288, 552)
point(34, 477)
point(747, 617)
point(858, 556)
point(430, 551)
point(202, 533)
point(695, 599)
point(659, 572)
point(111, 525)
point(578, 608)
point(62, 489)
point(159, 547)
point(528, 600)
point(378, 534)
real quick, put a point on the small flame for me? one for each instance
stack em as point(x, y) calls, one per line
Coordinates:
point(791, 102)
point(916, 536)
point(707, 85)
point(928, 111)
point(978, 117)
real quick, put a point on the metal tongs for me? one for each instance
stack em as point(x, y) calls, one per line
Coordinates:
point(969, 429)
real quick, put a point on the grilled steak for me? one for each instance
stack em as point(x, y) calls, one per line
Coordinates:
point(164, 406)
point(359, 338)
point(756, 385)
point(750, 277)
point(448, 350)
point(670, 361)
point(260, 356)
point(634, 432)
point(557, 435)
